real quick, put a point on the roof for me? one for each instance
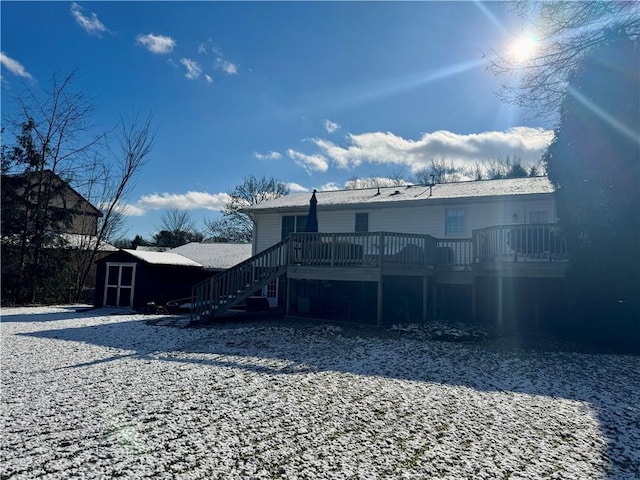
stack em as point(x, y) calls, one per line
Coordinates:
point(215, 255)
point(87, 242)
point(151, 248)
point(163, 258)
point(58, 201)
point(411, 193)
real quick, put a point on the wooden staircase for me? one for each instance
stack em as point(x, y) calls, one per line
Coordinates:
point(218, 294)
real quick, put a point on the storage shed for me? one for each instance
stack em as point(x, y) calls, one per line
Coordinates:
point(133, 278)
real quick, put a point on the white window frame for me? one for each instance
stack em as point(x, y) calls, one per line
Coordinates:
point(458, 231)
point(361, 214)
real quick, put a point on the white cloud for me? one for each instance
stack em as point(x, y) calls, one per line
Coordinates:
point(462, 150)
point(158, 44)
point(193, 69)
point(311, 163)
point(268, 156)
point(227, 67)
point(91, 24)
point(331, 186)
point(130, 210)
point(14, 66)
point(208, 78)
point(330, 126)
point(184, 201)
point(296, 187)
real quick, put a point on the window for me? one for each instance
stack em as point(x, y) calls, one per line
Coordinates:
point(293, 223)
point(454, 222)
point(362, 222)
point(538, 216)
point(271, 289)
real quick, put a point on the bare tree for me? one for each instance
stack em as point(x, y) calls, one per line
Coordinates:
point(566, 32)
point(175, 219)
point(135, 141)
point(395, 180)
point(177, 229)
point(235, 226)
point(53, 139)
point(440, 171)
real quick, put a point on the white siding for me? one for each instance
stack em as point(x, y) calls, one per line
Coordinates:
point(422, 219)
point(267, 231)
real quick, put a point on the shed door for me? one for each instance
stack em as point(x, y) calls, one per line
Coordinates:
point(119, 284)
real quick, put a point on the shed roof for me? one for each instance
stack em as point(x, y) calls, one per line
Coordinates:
point(163, 258)
point(411, 193)
point(215, 255)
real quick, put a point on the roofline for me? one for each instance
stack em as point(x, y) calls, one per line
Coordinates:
point(384, 204)
point(96, 211)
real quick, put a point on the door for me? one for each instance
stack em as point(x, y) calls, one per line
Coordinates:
point(119, 284)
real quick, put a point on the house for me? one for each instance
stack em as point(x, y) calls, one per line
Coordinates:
point(134, 278)
point(487, 250)
point(70, 226)
point(76, 214)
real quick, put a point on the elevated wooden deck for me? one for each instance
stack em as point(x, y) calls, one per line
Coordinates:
point(531, 250)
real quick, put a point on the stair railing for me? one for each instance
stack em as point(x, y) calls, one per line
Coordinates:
point(227, 289)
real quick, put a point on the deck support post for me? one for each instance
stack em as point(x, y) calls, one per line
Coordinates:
point(287, 307)
point(380, 302)
point(500, 302)
point(425, 298)
point(536, 303)
point(474, 299)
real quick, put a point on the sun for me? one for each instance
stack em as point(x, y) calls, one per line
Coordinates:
point(524, 48)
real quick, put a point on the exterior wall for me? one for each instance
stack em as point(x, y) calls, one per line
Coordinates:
point(152, 283)
point(413, 218)
point(86, 224)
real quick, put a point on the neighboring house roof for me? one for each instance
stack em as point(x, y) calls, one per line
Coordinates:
point(162, 258)
point(87, 242)
point(215, 255)
point(410, 193)
point(151, 248)
point(70, 200)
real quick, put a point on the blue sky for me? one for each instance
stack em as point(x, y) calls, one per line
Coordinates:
point(311, 93)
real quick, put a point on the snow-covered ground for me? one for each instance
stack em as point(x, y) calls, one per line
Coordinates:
point(97, 394)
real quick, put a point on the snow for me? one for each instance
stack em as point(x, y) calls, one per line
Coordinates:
point(412, 193)
point(163, 258)
point(105, 393)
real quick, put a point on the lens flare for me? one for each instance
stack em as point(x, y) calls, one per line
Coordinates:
point(524, 48)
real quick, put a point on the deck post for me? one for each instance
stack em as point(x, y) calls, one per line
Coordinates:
point(500, 309)
point(425, 298)
point(287, 307)
point(380, 303)
point(474, 299)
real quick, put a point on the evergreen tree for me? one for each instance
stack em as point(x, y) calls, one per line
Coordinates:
point(594, 164)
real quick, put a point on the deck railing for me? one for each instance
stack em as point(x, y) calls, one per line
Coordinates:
point(225, 290)
point(370, 249)
point(519, 243)
point(455, 252)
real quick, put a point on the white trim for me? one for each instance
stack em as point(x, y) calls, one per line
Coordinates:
point(119, 285)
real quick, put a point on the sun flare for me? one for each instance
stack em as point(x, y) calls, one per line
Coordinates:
point(524, 48)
